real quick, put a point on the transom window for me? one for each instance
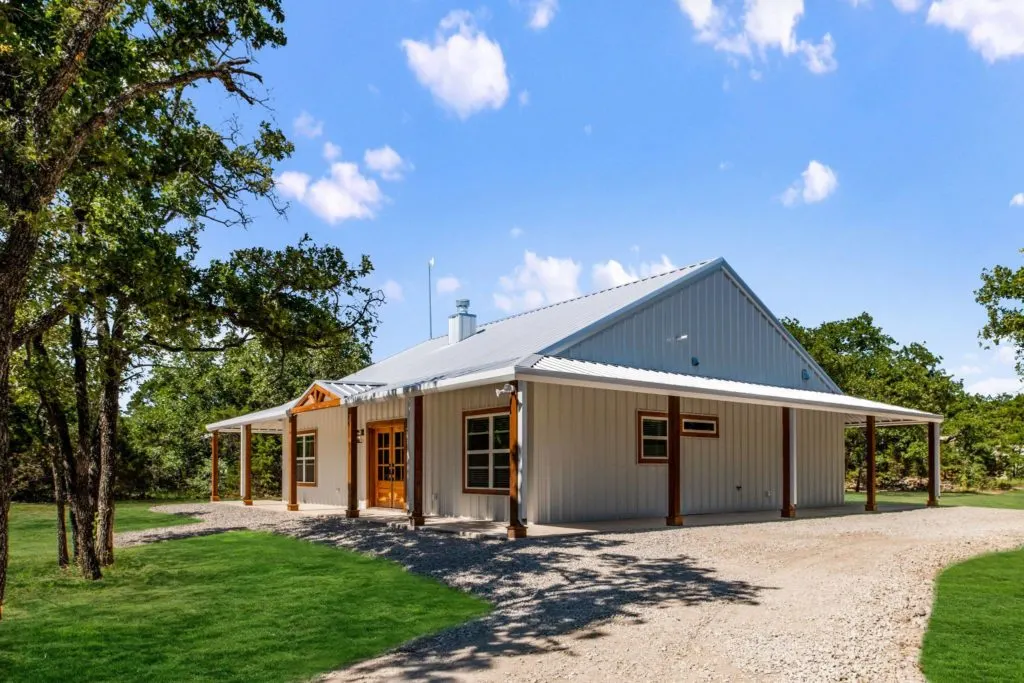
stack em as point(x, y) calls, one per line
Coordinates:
point(487, 452)
point(305, 459)
point(699, 425)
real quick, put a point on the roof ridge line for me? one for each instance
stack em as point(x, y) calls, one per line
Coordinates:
point(696, 264)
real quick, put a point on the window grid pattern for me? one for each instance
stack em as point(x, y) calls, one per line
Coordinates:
point(487, 441)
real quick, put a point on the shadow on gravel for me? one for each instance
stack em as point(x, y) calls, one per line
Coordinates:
point(540, 588)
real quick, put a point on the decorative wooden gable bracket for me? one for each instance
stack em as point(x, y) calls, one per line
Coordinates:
point(316, 398)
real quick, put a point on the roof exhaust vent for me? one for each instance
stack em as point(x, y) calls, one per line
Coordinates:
point(462, 324)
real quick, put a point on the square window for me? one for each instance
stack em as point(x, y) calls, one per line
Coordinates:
point(487, 440)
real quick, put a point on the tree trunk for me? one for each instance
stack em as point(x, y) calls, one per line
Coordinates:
point(109, 340)
point(59, 495)
point(83, 496)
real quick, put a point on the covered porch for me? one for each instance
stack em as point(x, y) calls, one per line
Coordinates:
point(354, 407)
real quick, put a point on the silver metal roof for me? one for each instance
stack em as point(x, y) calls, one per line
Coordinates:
point(508, 340)
point(344, 389)
point(588, 373)
point(267, 420)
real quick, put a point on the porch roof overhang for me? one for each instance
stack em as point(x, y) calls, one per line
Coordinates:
point(266, 421)
point(607, 376)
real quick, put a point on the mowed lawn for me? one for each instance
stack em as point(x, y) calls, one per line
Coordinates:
point(236, 606)
point(995, 499)
point(976, 632)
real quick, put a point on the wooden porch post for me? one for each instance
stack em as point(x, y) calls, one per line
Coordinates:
point(515, 521)
point(416, 515)
point(872, 465)
point(788, 463)
point(933, 464)
point(293, 477)
point(247, 464)
point(675, 512)
point(214, 453)
point(353, 463)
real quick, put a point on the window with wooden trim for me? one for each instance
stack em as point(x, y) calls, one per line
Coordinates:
point(652, 437)
point(486, 447)
point(699, 425)
point(305, 459)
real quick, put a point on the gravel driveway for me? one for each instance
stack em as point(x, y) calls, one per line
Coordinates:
point(841, 598)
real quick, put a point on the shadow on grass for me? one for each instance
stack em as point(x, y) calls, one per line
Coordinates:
point(540, 588)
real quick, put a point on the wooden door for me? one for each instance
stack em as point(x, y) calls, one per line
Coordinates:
point(388, 464)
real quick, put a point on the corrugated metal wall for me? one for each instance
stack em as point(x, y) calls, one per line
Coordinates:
point(820, 459)
point(726, 331)
point(442, 443)
point(582, 461)
point(331, 431)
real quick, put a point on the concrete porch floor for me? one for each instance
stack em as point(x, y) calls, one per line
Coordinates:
point(483, 529)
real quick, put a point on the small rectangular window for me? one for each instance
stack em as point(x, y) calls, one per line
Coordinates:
point(487, 458)
point(652, 446)
point(699, 425)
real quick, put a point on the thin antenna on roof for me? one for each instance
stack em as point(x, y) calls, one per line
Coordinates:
point(430, 296)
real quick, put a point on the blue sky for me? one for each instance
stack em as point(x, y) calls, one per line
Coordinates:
point(845, 156)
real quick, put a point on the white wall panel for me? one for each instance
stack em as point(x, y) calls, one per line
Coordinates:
point(442, 463)
point(331, 476)
point(583, 460)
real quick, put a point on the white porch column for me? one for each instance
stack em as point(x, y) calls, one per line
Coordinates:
point(524, 449)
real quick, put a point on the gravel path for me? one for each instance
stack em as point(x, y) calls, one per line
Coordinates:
point(841, 598)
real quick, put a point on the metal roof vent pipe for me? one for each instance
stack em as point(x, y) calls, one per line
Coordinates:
point(462, 324)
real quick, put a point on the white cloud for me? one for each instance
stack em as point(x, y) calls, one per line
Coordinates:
point(463, 68)
point(995, 28)
point(703, 14)
point(542, 13)
point(1018, 199)
point(374, 90)
point(448, 284)
point(1006, 355)
point(386, 162)
point(307, 126)
point(725, 166)
point(611, 273)
point(766, 25)
point(820, 58)
point(969, 370)
point(524, 98)
point(907, 6)
point(815, 185)
point(538, 282)
point(993, 386)
point(342, 195)
point(516, 232)
point(588, 129)
point(331, 151)
point(393, 291)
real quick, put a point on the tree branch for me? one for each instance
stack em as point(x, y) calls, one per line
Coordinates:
point(41, 324)
point(90, 21)
point(225, 72)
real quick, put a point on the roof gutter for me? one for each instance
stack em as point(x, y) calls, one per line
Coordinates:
point(430, 386)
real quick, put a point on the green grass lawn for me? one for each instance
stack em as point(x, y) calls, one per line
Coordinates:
point(238, 606)
point(976, 632)
point(1004, 499)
